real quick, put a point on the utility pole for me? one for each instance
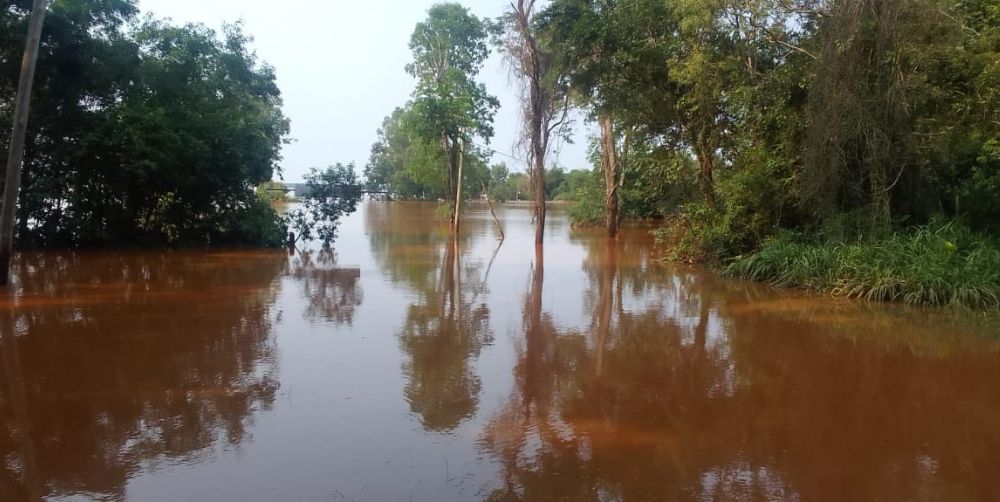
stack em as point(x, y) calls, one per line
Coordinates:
point(15, 157)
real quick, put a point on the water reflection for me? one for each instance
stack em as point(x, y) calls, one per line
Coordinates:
point(119, 363)
point(333, 293)
point(447, 322)
point(684, 386)
point(581, 371)
point(444, 329)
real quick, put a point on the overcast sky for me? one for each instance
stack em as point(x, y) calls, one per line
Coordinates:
point(340, 66)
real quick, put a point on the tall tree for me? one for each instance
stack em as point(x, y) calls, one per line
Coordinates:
point(15, 154)
point(143, 132)
point(614, 54)
point(449, 49)
point(544, 94)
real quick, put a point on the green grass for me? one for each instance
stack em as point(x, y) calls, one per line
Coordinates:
point(935, 265)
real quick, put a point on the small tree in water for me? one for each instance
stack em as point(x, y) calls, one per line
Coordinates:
point(330, 194)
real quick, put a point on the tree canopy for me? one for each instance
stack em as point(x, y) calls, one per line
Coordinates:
point(142, 131)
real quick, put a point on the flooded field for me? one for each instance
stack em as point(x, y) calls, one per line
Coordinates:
point(409, 366)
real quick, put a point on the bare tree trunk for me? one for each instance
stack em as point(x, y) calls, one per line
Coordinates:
point(456, 217)
point(538, 142)
point(15, 157)
point(609, 163)
point(539, 175)
point(538, 115)
point(452, 182)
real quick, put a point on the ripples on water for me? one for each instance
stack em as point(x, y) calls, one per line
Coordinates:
point(409, 365)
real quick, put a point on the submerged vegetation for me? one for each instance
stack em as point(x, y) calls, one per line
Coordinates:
point(937, 264)
point(140, 131)
point(148, 133)
point(815, 143)
point(866, 129)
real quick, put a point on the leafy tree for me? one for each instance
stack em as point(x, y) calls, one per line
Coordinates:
point(449, 49)
point(406, 164)
point(143, 132)
point(616, 72)
point(332, 193)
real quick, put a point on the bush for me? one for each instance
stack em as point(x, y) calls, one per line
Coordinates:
point(589, 206)
point(941, 264)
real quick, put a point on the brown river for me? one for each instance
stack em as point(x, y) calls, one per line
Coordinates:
point(410, 366)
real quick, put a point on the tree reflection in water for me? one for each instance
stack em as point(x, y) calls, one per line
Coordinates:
point(333, 293)
point(447, 324)
point(685, 386)
point(618, 411)
point(113, 364)
point(442, 331)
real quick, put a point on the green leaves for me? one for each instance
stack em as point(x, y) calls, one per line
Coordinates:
point(331, 194)
point(449, 49)
point(145, 132)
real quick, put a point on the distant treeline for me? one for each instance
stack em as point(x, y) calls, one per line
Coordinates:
point(842, 118)
point(742, 122)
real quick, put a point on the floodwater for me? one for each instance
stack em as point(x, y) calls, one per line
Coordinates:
point(407, 366)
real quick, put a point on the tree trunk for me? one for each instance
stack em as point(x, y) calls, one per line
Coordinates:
point(706, 163)
point(448, 155)
point(15, 157)
point(539, 204)
point(538, 147)
point(609, 163)
point(456, 217)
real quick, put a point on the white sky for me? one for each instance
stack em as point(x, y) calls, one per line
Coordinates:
point(340, 66)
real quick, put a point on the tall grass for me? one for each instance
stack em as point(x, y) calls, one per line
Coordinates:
point(941, 264)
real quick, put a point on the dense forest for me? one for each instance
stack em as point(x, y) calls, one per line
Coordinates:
point(141, 132)
point(847, 145)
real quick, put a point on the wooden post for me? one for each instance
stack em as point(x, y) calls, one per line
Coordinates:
point(15, 156)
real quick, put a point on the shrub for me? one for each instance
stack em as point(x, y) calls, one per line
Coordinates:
point(940, 264)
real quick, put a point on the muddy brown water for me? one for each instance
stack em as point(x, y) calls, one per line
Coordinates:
point(408, 366)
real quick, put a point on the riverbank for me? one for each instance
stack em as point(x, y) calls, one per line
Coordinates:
point(942, 265)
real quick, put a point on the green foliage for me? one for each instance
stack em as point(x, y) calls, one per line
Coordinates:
point(503, 185)
point(258, 225)
point(332, 193)
point(589, 206)
point(141, 132)
point(658, 182)
point(405, 163)
point(449, 107)
point(941, 264)
point(408, 165)
point(570, 184)
point(272, 192)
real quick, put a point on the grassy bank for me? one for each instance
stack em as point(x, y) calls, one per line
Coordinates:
point(936, 265)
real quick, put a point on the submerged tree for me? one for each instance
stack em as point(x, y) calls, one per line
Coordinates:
point(544, 94)
point(142, 132)
point(331, 194)
point(617, 73)
point(449, 49)
point(15, 154)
